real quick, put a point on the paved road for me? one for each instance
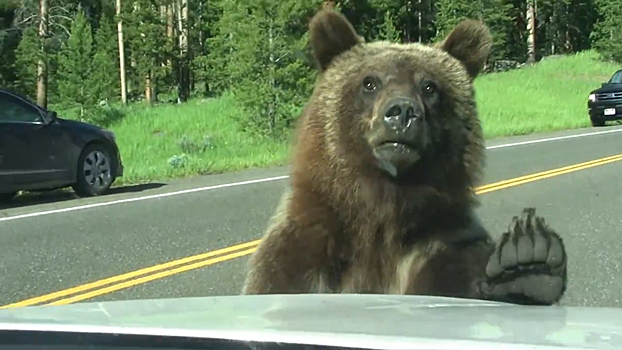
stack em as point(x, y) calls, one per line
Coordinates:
point(44, 250)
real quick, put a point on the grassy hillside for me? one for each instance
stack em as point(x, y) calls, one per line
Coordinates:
point(199, 137)
point(551, 95)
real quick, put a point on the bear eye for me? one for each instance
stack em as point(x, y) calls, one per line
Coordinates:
point(429, 88)
point(369, 84)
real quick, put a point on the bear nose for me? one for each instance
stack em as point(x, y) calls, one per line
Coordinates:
point(400, 111)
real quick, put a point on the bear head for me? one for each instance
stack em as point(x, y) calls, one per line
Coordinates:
point(391, 123)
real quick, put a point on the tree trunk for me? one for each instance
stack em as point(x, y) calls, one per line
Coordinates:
point(169, 29)
point(271, 77)
point(201, 40)
point(407, 37)
point(169, 21)
point(184, 71)
point(149, 88)
point(531, 31)
point(121, 55)
point(419, 20)
point(163, 17)
point(133, 85)
point(42, 73)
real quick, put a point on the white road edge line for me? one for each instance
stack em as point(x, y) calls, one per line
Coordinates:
point(136, 199)
point(249, 182)
point(554, 139)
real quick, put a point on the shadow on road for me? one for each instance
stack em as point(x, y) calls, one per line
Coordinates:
point(62, 195)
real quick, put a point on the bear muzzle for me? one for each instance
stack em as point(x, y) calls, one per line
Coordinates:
point(400, 113)
point(400, 136)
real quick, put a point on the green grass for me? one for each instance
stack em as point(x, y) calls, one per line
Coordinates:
point(201, 131)
point(548, 96)
point(551, 95)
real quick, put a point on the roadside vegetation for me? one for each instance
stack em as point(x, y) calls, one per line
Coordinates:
point(551, 95)
point(199, 137)
point(216, 86)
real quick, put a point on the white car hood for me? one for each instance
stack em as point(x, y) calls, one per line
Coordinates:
point(363, 321)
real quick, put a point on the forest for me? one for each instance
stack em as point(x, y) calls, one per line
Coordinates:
point(124, 63)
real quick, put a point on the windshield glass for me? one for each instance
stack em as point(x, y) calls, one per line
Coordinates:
point(161, 149)
point(616, 78)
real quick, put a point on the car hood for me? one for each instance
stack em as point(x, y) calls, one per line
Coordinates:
point(78, 124)
point(608, 88)
point(364, 321)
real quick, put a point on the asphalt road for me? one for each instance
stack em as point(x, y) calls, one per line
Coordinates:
point(47, 247)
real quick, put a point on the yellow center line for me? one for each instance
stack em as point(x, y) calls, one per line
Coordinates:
point(149, 278)
point(236, 251)
point(546, 174)
point(555, 171)
point(119, 278)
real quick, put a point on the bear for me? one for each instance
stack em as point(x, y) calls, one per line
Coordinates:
point(385, 157)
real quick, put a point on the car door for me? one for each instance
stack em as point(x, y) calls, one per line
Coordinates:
point(33, 153)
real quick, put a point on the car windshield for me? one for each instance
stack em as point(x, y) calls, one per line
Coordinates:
point(163, 149)
point(616, 78)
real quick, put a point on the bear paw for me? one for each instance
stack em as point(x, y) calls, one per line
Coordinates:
point(528, 265)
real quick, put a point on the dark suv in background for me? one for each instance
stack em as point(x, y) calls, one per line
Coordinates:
point(40, 151)
point(605, 104)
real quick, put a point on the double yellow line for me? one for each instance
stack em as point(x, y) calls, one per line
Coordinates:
point(546, 174)
point(170, 268)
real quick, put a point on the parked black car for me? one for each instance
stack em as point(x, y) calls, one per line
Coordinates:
point(40, 151)
point(605, 104)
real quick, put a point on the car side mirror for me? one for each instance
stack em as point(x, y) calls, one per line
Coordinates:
point(51, 116)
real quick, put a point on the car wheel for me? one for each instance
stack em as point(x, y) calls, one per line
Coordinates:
point(6, 197)
point(94, 171)
point(597, 122)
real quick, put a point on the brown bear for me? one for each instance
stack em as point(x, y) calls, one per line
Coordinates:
point(388, 152)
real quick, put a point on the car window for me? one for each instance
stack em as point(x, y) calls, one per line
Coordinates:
point(13, 109)
point(616, 78)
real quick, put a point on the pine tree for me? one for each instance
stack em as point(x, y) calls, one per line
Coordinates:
point(387, 30)
point(26, 56)
point(74, 65)
point(265, 60)
point(493, 12)
point(607, 35)
point(149, 46)
point(104, 77)
point(204, 18)
point(9, 39)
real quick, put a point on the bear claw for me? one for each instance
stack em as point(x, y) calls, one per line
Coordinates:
point(528, 265)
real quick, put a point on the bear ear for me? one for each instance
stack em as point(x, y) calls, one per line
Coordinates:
point(470, 42)
point(331, 34)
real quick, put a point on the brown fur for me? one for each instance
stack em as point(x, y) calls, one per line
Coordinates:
point(347, 227)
